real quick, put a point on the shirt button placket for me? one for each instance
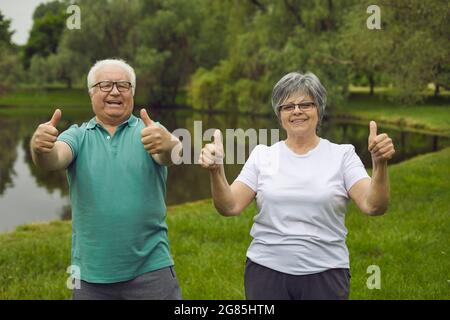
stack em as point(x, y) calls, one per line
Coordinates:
point(114, 144)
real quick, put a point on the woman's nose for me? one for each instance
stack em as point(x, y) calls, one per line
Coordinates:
point(297, 109)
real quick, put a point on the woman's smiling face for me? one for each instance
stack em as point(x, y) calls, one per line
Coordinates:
point(299, 121)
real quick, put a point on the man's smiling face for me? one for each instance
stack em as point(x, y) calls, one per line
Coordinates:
point(112, 107)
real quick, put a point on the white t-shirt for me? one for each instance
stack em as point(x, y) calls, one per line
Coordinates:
point(302, 201)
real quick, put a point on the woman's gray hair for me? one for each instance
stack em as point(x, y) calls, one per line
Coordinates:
point(296, 82)
point(92, 75)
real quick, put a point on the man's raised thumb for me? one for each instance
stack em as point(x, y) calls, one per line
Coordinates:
point(55, 118)
point(372, 130)
point(146, 118)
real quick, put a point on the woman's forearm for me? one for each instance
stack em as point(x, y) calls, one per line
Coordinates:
point(221, 192)
point(378, 195)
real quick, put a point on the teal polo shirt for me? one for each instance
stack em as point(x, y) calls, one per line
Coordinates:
point(117, 192)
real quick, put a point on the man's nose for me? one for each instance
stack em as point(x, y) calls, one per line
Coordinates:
point(114, 91)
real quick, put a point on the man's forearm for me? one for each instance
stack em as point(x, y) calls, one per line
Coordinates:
point(379, 193)
point(173, 152)
point(46, 161)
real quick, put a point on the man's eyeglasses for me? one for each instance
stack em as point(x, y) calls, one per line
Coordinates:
point(304, 106)
point(107, 86)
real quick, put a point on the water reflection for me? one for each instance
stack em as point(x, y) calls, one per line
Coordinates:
point(26, 201)
point(8, 154)
point(28, 194)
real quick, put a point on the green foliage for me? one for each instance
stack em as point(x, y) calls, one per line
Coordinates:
point(39, 70)
point(5, 33)
point(10, 70)
point(269, 40)
point(58, 67)
point(106, 31)
point(61, 66)
point(48, 24)
point(103, 22)
point(240, 49)
point(150, 66)
point(411, 50)
point(180, 37)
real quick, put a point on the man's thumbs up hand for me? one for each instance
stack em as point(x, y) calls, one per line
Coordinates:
point(145, 118)
point(45, 136)
point(55, 118)
point(372, 132)
point(380, 146)
point(154, 137)
point(212, 154)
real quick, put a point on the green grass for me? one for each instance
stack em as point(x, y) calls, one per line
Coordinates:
point(33, 261)
point(34, 102)
point(410, 244)
point(33, 98)
point(432, 116)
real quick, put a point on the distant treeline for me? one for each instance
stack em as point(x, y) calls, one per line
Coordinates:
point(229, 54)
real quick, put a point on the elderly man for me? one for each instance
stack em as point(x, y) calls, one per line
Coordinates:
point(116, 165)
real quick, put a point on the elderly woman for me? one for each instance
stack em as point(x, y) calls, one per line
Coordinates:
point(302, 186)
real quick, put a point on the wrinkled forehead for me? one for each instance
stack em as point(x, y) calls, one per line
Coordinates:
point(111, 72)
point(297, 97)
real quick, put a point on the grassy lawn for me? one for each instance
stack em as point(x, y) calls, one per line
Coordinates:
point(433, 115)
point(33, 102)
point(410, 244)
point(37, 103)
point(42, 103)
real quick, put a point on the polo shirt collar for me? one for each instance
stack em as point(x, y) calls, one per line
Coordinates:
point(131, 122)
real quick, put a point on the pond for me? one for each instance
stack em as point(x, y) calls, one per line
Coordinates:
point(28, 194)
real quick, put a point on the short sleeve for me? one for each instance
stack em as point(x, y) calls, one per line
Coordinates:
point(249, 173)
point(72, 137)
point(353, 168)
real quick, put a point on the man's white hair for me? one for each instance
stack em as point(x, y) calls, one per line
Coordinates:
point(92, 75)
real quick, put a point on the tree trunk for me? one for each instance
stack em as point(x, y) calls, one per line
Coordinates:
point(436, 90)
point(372, 85)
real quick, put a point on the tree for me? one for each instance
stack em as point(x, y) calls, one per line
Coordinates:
point(5, 33)
point(267, 39)
point(106, 32)
point(10, 71)
point(411, 49)
point(48, 25)
point(164, 40)
point(170, 31)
